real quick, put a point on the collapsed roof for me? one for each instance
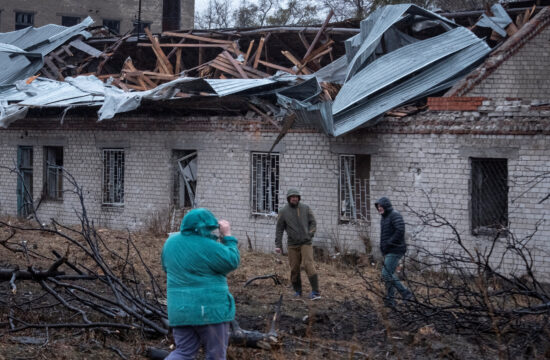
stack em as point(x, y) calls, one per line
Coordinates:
point(347, 77)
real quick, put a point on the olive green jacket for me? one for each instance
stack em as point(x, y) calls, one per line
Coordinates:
point(299, 223)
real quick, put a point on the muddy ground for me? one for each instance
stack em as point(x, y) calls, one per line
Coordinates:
point(347, 323)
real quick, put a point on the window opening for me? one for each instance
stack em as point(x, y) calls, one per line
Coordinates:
point(53, 172)
point(354, 188)
point(265, 183)
point(113, 176)
point(489, 198)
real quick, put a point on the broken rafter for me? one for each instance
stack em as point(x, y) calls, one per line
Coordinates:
point(258, 53)
point(235, 64)
point(299, 66)
point(199, 38)
point(277, 67)
point(248, 51)
point(318, 36)
point(164, 63)
point(265, 116)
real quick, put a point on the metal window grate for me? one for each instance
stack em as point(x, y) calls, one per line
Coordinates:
point(489, 195)
point(265, 183)
point(353, 190)
point(53, 179)
point(23, 20)
point(113, 176)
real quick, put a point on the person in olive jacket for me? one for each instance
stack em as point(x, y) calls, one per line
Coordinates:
point(393, 247)
point(200, 306)
point(298, 221)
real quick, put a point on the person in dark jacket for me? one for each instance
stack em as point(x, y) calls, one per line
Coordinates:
point(298, 221)
point(393, 247)
point(200, 305)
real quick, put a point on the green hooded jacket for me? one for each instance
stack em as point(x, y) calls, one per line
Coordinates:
point(196, 265)
point(298, 221)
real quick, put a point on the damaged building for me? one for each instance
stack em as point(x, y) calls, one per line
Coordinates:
point(410, 104)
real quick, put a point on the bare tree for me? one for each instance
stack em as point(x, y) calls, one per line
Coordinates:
point(216, 15)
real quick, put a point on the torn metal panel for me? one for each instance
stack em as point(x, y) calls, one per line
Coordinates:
point(401, 63)
point(433, 79)
point(82, 46)
point(362, 46)
point(498, 22)
point(34, 44)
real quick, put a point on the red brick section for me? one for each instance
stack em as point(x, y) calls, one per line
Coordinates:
point(454, 103)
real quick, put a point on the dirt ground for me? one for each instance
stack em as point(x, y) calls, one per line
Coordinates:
point(344, 324)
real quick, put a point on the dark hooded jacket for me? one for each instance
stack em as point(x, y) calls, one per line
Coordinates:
point(392, 229)
point(298, 221)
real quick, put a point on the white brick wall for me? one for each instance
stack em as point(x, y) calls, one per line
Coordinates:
point(404, 167)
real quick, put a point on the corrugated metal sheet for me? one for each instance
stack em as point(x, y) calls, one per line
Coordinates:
point(435, 78)
point(400, 63)
point(35, 42)
point(224, 87)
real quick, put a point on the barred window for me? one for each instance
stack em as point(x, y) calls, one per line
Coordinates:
point(112, 25)
point(23, 20)
point(113, 176)
point(70, 20)
point(354, 189)
point(489, 195)
point(53, 172)
point(265, 183)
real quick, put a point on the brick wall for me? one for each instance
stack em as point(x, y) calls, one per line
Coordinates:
point(415, 160)
point(126, 11)
point(523, 75)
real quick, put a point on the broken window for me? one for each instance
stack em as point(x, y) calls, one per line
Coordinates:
point(53, 175)
point(185, 184)
point(69, 20)
point(23, 20)
point(265, 183)
point(139, 27)
point(354, 188)
point(489, 195)
point(113, 176)
point(112, 25)
point(24, 180)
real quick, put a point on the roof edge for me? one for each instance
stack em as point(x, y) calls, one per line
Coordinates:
point(503, 53)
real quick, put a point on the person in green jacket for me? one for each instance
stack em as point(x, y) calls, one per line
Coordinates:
point(298, 221)
point(200, 306)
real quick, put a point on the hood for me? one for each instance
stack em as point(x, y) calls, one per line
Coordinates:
point(199, 221)
point(385, 203)
point(292, 192)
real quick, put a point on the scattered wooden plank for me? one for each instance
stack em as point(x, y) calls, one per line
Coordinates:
point(49, 63)
point(164, 63)
point(235, 64)
point(303, 39)
point(129, 65)
point(258, 52)
point(317, 51)
point(251, 72)
point(296, 62)
point(226, 69)
point(150, 75)
point(199, 38)
point(318, 36)
point(248, 51)
point(199, 45)
point(178, 61)
point(277, 67)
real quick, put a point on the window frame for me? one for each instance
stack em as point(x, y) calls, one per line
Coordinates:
point(111, 29)
point(21, 24)
point(478, 168)
point(74, 20)
point(357, 213)
point(108, 196)
point(57, 169)
point(273, 165)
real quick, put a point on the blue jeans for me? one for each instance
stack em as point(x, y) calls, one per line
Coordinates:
point(391, 281)
point(214, 337)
